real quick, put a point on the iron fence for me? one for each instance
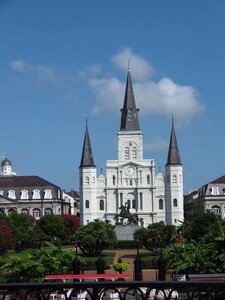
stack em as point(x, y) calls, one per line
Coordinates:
point(158, 290)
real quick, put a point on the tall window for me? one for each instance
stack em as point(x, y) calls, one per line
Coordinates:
point(128, 204)
point(148, 179)
point(141, 201)
point(101, 204)
point(87, 204)
point(87, 180)
point(126, 153)
point(114, 180)
point(133, 203)
point(129, 114)
point(174, 202)
point(134, 153)
point(160, 203)
point(121, 199)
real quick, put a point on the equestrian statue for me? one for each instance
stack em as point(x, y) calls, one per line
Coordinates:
point(125, 213)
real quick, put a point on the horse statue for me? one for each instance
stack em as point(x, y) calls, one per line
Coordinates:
point(125, 213)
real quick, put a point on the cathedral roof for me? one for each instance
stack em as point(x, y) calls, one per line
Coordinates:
point(173, 154)
point(129, 116)
point(87, 157)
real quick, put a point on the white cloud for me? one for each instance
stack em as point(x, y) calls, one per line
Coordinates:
point(164, 97)
point(157, 145)
point(140, 68)
point(18, 65)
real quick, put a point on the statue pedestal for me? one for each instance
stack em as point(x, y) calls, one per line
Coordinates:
point(125, 232)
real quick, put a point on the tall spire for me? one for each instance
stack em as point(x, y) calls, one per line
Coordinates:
point(87, 157)
point(173, 154)
point(129, 116)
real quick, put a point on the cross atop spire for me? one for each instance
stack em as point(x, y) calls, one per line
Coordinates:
point(87, 157)
point(173, 154)
point(129, 117)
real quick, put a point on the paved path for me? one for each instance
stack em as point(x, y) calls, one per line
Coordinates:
point(128, 256)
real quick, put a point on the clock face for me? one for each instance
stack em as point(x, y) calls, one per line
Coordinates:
point(130, 171)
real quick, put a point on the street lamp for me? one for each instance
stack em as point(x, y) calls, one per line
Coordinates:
point(100, 264)
point(161, 262)
point(76, 261)
point(137, 262)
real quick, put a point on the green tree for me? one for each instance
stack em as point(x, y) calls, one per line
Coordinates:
point(34, 264)
point(208, 226)
point(155, 236)
point(52, 226)
point(96, 236)
point(22, 226)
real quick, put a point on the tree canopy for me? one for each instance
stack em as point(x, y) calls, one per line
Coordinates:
point(95, 236)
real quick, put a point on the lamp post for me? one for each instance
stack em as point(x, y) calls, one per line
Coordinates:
point(100, 264)
point(138, 263)
point(161, 262)
point(76, 261)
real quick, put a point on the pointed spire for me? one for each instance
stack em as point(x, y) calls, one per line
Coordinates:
point(129, 117)
point(173, 154)
point(87, 157)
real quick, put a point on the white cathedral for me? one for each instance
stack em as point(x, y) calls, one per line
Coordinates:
point(131, 181)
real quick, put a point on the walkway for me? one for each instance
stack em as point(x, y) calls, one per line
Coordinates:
point(128, 256)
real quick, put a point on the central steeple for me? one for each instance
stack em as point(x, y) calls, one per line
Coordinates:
point(129, 116)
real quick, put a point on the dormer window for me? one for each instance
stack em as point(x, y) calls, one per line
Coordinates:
point(36, 194)
point(12, 194)
point(48, 194)
point(215, 190)
point(24, 194)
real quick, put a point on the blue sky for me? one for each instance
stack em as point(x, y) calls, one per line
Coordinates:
point(63, 60)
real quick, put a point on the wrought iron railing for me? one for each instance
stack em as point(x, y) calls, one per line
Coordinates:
point(114, 290)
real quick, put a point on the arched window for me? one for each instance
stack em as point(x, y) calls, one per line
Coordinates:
point(87, 204)
point(36, 213)
point(25, 211)
point(174, 178)
point(101, 204)
point(11, 210)
point(48, 211)
point(160, 203)
point(87, 180)
point(216, 209)
point(24, 194)
point(174, 202)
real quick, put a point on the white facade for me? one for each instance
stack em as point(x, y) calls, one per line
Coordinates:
point(131, 180)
